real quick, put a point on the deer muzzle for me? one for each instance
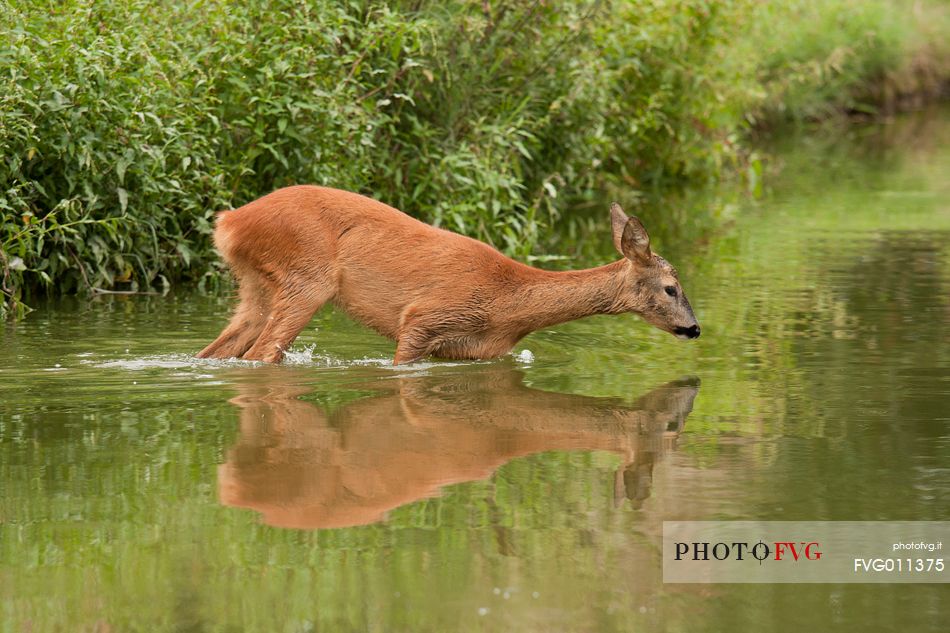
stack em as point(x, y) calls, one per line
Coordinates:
point(687, 332)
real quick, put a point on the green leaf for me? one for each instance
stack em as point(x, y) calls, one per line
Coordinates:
point(121, 165)
point(185, 252)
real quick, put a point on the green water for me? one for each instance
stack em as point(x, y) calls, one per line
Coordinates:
point(142, 490)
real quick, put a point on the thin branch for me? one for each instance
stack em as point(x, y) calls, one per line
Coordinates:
point(389, 84)
point(103, 291)
point(6, 274)
point(82, 269)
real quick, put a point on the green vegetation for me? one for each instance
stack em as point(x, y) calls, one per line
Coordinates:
point(126, 124)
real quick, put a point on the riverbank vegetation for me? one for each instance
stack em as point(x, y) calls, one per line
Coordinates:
point(126, 124)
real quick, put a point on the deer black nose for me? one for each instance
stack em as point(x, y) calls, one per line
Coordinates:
point(689, 332)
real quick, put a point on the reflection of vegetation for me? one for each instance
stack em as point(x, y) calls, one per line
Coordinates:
point(885, 371)
point(128, 123)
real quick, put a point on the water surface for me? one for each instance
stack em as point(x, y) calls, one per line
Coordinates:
point(144, 490)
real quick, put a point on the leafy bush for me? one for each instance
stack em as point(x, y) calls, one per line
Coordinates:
point(126, 124)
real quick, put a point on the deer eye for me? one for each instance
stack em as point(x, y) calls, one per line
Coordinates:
point(670, 290)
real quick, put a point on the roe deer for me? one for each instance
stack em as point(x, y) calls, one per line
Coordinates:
point(435, 292)
point(307, 466)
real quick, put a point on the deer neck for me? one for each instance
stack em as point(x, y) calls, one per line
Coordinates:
point(548, 298)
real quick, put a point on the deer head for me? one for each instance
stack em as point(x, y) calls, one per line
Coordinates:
point(651, 287)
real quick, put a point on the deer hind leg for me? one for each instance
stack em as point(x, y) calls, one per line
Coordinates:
point(248, 321)
point(293, 307)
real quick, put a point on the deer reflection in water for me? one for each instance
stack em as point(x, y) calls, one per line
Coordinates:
point(301, 466)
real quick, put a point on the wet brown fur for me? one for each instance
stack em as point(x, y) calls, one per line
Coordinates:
point(435, 292)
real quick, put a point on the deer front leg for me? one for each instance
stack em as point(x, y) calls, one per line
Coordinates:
point(424, 333)
point(409, 352)
point(418, 335)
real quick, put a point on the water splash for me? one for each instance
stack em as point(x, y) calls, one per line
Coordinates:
point(168, 361)
point(306, 356)
point(525, 356)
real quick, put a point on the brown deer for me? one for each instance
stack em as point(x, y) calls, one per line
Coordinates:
point(304, 466)
point(435, 292)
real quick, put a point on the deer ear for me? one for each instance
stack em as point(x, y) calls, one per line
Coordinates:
point(618, 220)
point(630, 238)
